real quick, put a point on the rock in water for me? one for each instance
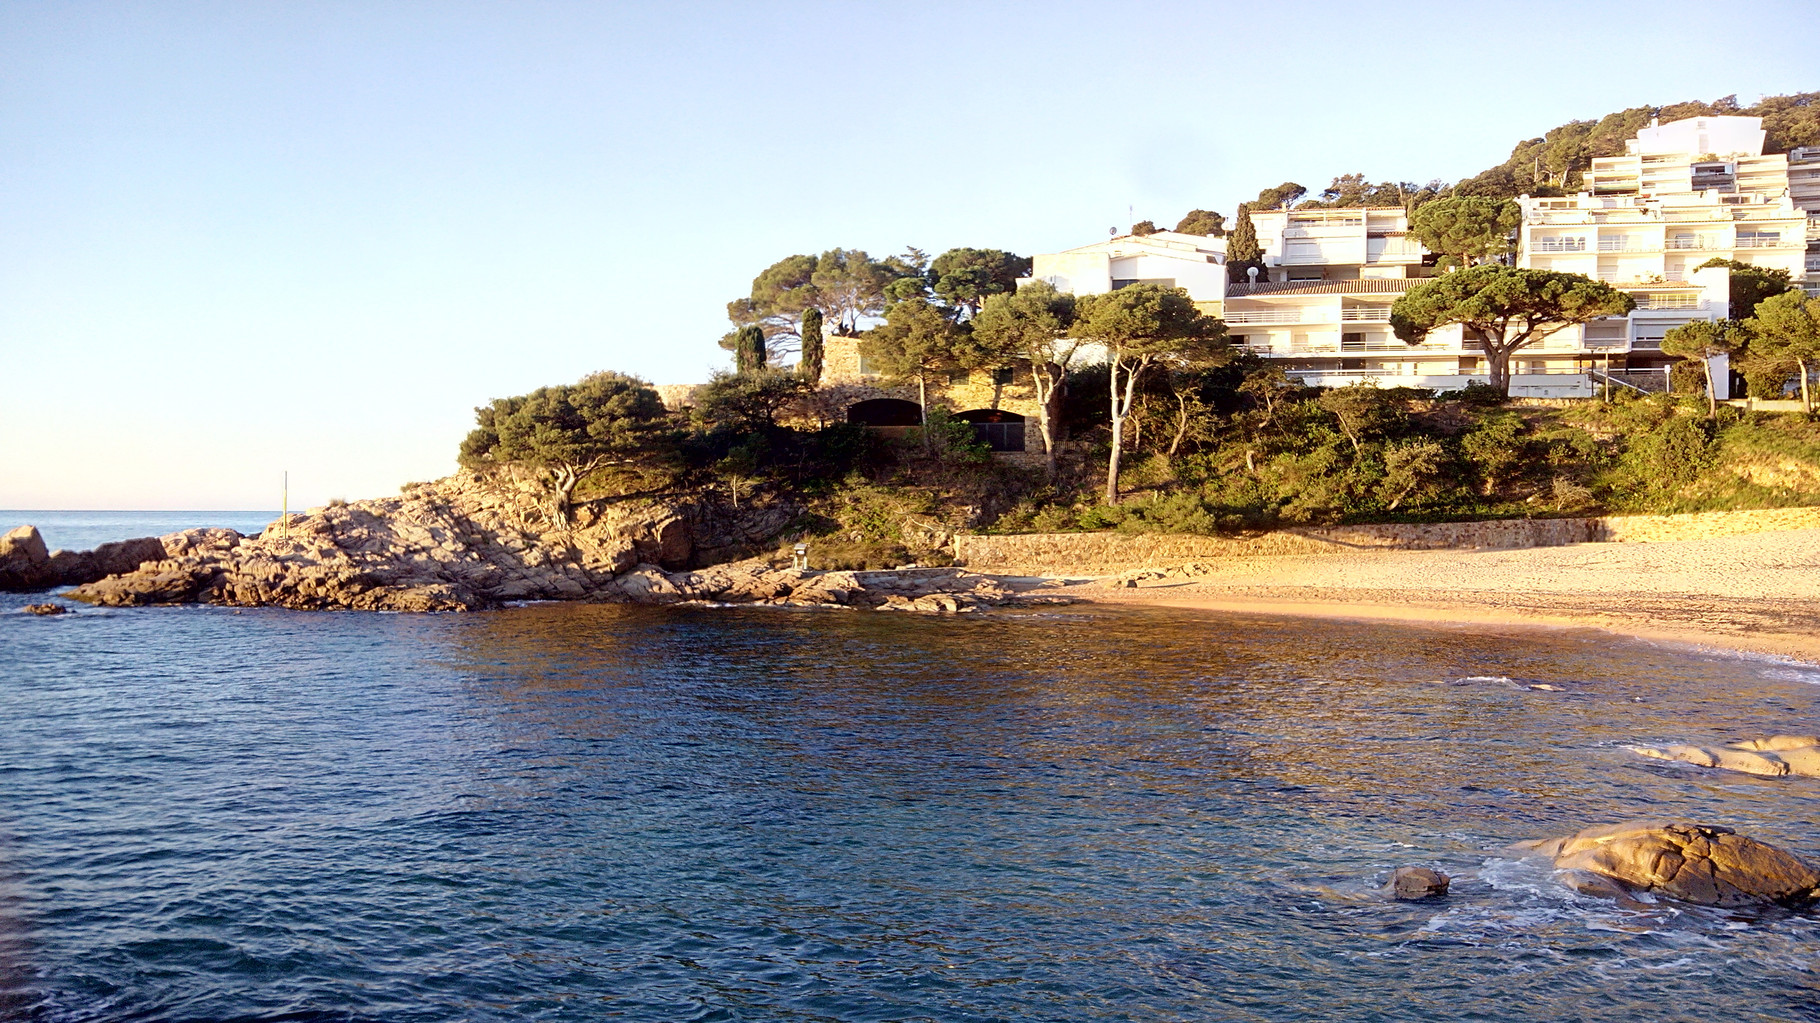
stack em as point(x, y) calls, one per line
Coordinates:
point(1411, 883)
point(1775, 757)
point(45, 609)
point(1698, 863)
point(24, 563)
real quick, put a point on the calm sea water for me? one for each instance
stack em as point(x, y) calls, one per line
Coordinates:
point(82, 530)
point(582, 813)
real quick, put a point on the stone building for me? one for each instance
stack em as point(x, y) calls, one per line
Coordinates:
point(1000, 403)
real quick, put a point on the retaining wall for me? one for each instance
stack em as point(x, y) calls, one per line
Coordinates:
point(1110, 553)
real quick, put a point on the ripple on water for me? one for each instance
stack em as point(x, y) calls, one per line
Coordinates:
point(561, 812)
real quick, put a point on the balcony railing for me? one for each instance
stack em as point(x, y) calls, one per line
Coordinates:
point(1663, 302)
point(1366, 313)
point(1557, 245)
point(1622, 245)
point(1693, 243)
point(1765, 241)
point(1269, 316)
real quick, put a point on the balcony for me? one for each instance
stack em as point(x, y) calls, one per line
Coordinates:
point(1366, 313)
point(1274, 316)
point(1766, 241)
point(1557, 245)
point(1666, 303)
point(1625, 244)
point(1701, 244)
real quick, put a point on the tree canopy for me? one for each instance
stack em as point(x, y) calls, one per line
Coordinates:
point(1202, 222)
point(1350, 190)
point(1029, 324)
point(1700, 341)
point(1507, 307)
point(1141, 326)
point(569, 432)
point(1750, 284)
point(915, 340)
point(1468, 229)
point(963, 277)
point(1785, 330)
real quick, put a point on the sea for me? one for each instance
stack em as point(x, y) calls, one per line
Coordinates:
point(592, 812)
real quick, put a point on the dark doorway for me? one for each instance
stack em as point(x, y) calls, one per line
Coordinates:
point(998, 429)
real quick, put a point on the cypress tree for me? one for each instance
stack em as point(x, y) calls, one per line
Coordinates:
point(749, 349)
point(812, 346)
point(1242, 248)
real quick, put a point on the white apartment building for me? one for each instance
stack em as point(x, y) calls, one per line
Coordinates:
point(1322, 306)
point(1685, 192)
point(1187, 261)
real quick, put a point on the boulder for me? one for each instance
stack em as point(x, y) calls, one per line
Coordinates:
point(45, 609)
point(1697, 863)
point(76, 567)
point(1775, 757)
point(1412, 883)
point(24, 563)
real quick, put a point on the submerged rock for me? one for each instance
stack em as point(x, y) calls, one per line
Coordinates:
point(45, 609)
point(1697, 863)
point(1413, 883)
point(1773, 757)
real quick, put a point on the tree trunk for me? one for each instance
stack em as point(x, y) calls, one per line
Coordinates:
point(1119, 412)
point(565, 479)
point(1181, 424)
point(922, 396)
point(1498, 360)
point(1712, 402)
point(1045, 393)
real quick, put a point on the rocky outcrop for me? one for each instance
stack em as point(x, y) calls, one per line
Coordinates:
point(26, 566)
point(45, 609)
point(1697, 863)
point(1774, 757)
point(24, 563)
point(472, 542)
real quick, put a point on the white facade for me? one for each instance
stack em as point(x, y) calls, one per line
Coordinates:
point(1687, 192)
point(1187, 261)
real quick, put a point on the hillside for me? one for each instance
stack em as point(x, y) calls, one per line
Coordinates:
point(1553, 162)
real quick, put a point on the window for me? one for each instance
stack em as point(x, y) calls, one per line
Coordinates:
point(1352, 342)
point(1004, 375)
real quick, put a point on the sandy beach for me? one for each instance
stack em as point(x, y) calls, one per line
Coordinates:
point(1758, 593)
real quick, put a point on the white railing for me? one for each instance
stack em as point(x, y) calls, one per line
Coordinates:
point(1269, 316)
point(1557, 245)
point(1768, 241)
point(1692, 243)
point(1367, 313)
point(1622, 245)
point(1661, 302)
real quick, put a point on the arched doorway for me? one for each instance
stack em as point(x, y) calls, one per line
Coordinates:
point(885, 412)
point(996, 428)
point(892, 417)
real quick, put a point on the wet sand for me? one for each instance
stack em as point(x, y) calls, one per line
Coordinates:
point(1758, 593)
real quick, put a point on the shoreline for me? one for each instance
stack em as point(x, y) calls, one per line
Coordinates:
point(1755, 593)
point(1456, 610)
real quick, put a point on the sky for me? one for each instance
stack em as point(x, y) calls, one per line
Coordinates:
point(240, 239)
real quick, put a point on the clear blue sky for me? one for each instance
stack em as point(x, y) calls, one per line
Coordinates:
point(243, 237)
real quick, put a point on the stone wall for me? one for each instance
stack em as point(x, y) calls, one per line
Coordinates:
point(1110, 553)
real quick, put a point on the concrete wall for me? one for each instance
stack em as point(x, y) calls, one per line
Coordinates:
point(1085, 554)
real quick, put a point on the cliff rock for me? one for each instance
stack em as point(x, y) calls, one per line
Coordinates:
point(24, 563)
point(472, 541)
